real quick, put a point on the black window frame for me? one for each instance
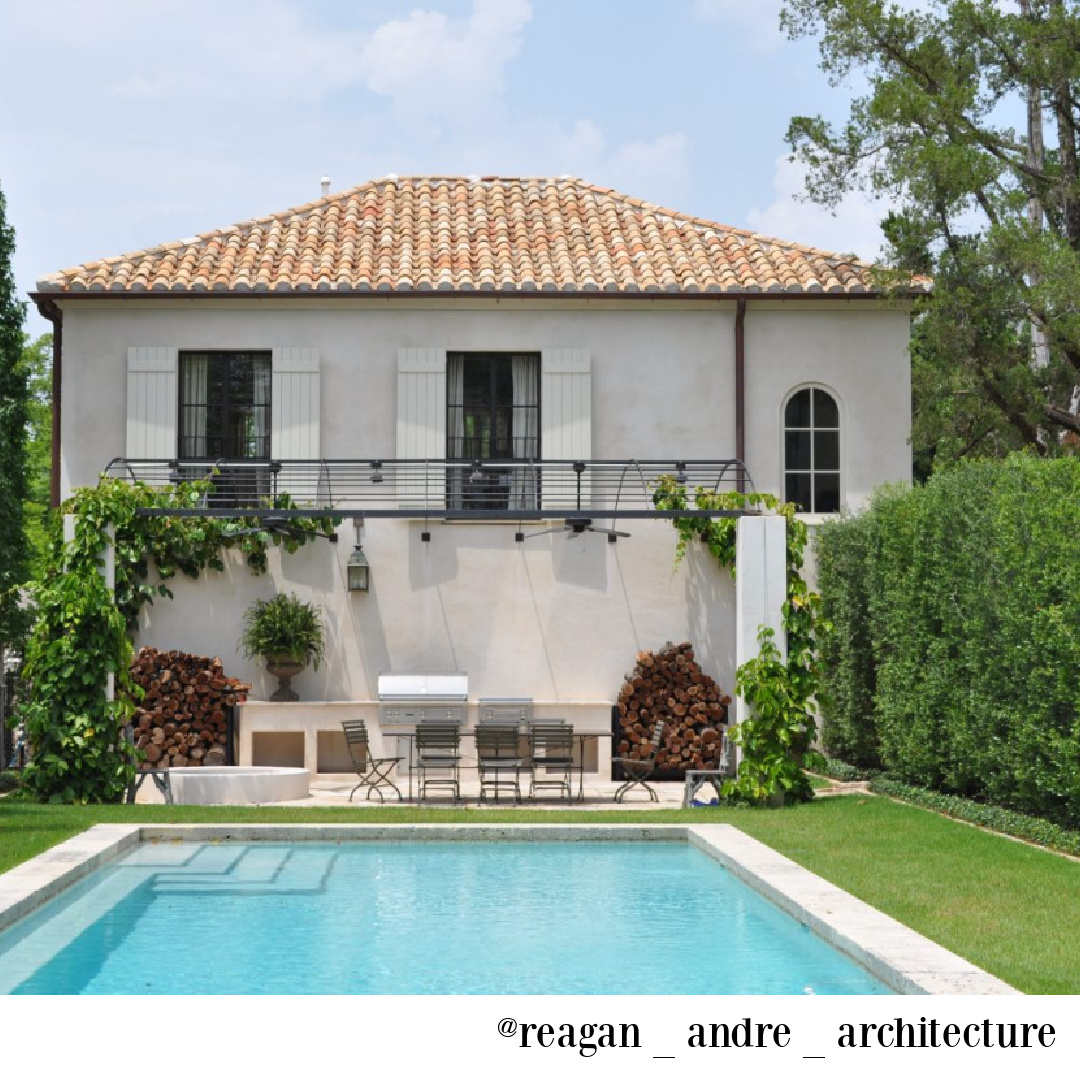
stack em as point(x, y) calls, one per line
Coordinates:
point(222, 408)
point(813, 472)
point(491, 488)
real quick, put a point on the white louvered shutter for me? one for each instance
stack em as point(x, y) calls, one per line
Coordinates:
point(421, 423)
point(151, 402)
point(566, 417)
point(295, 397)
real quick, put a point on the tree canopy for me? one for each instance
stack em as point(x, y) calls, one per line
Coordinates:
point(967, 124)
point(13, 420)
point(37, 365)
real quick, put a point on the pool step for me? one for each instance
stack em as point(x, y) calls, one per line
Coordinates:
point(259, 871)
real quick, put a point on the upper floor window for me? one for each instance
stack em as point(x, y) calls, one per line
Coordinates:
point(812, 451)
point(492, 414)
point(224, 405)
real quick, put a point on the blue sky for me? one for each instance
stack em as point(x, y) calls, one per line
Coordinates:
point(143, 122)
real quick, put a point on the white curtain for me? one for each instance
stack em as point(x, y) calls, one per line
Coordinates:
point(525, 374)
point(455, 426)
point(261, 399)
point(194, 393)
point(455, 401)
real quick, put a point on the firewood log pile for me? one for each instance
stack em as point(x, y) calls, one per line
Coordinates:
point(669, 685)
point(181, 719)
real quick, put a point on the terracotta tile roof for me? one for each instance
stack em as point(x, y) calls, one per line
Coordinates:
point(455, 233)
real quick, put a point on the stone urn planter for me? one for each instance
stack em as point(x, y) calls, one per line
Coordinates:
point(284, 669)
point(286, 633)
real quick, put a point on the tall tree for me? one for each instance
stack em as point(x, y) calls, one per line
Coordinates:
point(37, 364)
point(969, 126)
point(13, 420)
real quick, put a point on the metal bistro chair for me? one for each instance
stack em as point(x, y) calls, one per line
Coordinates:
point(438, 751)
point(638, 770)
point(552, 752)
point(374, 772)
point(498, 759)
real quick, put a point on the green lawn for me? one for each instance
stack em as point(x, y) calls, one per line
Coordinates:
point(1012, 909)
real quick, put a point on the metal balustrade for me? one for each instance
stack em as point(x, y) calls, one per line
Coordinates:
point(512, 490)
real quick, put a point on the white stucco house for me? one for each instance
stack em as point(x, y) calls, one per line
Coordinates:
point(493, 332)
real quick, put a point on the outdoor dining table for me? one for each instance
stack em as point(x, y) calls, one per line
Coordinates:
point(580, 740)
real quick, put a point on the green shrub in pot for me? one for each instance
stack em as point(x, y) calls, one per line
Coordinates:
point(287, 633)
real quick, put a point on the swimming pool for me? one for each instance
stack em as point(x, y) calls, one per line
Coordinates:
point(433, 918)
point(446, 910)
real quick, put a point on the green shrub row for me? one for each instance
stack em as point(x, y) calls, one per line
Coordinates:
point(953, 659)
point(1009, 822)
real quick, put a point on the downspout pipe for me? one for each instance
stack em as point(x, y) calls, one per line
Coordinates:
point(740, 388)
point(50, 310)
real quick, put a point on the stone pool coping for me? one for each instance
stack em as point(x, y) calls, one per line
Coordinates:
point(904, 960)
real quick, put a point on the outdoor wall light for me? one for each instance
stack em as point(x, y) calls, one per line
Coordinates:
point(358, 572)
point(680, 472)
point(376, 472)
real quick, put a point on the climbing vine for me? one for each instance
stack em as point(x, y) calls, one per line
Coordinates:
point(82, 633)
point(780, 693)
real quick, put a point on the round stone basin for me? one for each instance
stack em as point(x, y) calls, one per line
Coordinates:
point(237, 785)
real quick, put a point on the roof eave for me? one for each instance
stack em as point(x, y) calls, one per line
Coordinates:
point(44, 297)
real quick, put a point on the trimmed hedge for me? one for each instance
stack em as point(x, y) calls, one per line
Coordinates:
point(1009, 822)
point(954, 656)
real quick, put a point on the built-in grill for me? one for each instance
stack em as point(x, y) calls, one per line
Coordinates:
point(408, 700)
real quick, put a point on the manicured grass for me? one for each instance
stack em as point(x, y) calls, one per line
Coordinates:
point(1012, 909)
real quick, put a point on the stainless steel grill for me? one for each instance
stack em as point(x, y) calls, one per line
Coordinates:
point(408, 700)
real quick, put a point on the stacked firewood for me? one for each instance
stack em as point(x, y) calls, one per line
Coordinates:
point(669, 685)
point(181, 719)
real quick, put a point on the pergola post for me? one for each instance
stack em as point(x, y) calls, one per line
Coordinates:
point(760, 588)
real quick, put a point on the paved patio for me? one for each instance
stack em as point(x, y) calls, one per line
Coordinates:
point(334, 789)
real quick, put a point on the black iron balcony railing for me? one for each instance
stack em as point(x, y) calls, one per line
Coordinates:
point(448, 490)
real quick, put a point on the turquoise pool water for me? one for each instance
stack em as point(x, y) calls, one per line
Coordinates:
point(419, 918)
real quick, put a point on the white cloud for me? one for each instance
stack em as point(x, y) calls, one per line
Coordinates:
point(852, 227)
point(656, 169)
point(431, 62)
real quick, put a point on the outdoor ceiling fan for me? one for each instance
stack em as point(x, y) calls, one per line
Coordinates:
point(575, 527)
point(279, 526)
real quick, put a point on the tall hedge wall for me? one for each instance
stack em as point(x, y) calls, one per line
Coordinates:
point(954, 658)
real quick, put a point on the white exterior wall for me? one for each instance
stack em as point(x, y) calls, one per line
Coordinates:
point(555, 618)
point(860, 356)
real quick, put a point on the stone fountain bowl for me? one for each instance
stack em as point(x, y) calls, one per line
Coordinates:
point(237, 785)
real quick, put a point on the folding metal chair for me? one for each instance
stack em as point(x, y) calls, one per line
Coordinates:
point(498, 758)
point(438, 752)
point(552, 753)
point(374, 773)
point(638, 770)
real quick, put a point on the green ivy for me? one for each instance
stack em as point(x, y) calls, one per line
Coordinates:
point(780, 693)
point(82, 633)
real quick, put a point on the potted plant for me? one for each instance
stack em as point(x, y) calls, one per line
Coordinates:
point(287, 634)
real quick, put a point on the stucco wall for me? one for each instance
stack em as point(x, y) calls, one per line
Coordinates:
point(861, 357)
point(555, 618)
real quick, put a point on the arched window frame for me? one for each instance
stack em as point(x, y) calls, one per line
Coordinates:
point(827, 503)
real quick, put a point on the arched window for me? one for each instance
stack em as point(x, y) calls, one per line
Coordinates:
point(812, 451)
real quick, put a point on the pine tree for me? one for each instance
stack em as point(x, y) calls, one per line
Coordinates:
point(13, 431)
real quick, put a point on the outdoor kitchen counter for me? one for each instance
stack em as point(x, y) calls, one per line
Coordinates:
point(308, 734)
